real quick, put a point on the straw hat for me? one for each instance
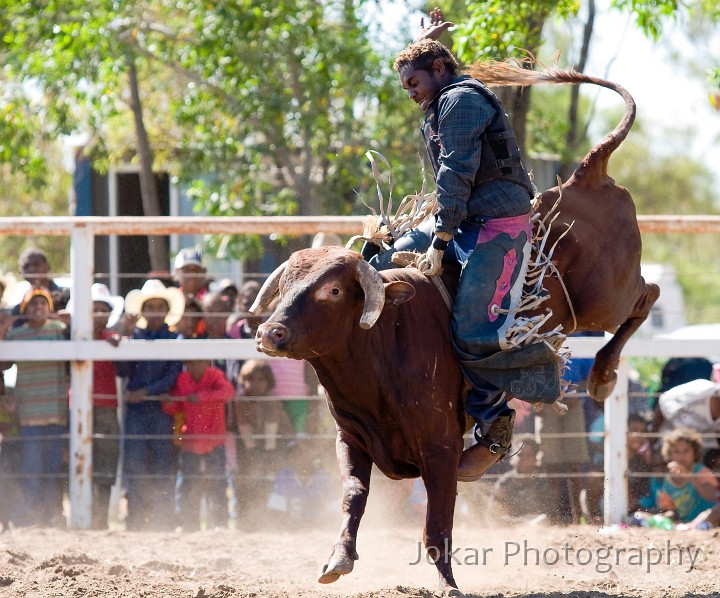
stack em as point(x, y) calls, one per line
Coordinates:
point(155, 289)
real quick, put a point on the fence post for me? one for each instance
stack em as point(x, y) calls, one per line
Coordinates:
point(82, 251)
point(616, 416)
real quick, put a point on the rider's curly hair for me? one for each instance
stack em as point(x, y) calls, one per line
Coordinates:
point(422, 54)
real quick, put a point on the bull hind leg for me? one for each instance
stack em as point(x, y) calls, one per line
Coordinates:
point(355, 469)
point(603, 376)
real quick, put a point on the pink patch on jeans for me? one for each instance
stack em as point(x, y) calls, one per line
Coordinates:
point(502, 286)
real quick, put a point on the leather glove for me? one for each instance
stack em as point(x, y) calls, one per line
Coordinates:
point(431, 263)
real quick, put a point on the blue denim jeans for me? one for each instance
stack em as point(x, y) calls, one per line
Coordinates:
point(42, 476)
point(484, 402)
point(149, 467)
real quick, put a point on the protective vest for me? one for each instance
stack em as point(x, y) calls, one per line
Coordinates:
point(500, 155)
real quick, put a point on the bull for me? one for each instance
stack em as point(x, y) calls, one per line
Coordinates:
point(380, 341)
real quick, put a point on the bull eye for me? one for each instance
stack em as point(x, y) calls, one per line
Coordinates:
point(335, 291)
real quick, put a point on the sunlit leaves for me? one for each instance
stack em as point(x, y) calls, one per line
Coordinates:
point(651, 15)
point(496, 29)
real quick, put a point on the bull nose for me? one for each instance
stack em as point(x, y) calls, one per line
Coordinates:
point(271, 335)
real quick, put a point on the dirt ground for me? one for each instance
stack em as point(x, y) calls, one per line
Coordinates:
point(522, 560)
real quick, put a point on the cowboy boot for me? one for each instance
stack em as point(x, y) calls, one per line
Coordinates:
point(490, 449)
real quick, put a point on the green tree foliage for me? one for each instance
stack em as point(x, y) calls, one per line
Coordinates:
point(258, 107)
point(496, 30)
point(20, 196)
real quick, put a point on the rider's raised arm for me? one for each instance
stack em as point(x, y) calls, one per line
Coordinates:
point(437, 25)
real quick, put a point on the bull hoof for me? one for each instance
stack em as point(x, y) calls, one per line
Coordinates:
point(448, 590)
point(600, 392)
point(337, 566)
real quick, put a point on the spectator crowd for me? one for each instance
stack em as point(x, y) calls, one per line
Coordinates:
point(185, 443)
point(673, 450)
point(205, 443)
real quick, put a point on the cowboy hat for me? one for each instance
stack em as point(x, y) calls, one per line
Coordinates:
point(155, 289)
point(100, 292)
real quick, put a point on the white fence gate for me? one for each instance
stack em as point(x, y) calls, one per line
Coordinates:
point(81, 350)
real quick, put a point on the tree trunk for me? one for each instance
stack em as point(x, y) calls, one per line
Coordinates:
point(516, 101)
point(574, 136)
point(158, 249)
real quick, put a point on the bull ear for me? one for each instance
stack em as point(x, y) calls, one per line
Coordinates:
point(268, 291)
point(374, 289)
point(398, 292)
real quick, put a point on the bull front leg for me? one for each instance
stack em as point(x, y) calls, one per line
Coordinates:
point(355, 469)
point(441, 485)
point(603, 376)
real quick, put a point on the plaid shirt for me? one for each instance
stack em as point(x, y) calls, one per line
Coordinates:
point(463, 115)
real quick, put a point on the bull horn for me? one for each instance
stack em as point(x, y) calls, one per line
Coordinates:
point(374, 289)
point(268, 291)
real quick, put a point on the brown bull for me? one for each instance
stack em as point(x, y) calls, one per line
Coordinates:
point(380, 342)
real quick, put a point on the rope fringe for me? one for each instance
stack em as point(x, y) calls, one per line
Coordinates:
point(385, 228)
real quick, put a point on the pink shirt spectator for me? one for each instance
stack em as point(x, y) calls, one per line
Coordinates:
point(289, 377)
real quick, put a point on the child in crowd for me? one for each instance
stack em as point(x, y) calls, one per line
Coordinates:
point(186, 328)
point(34, 267)
point(216, 309)
point(41, 392)
point(190, 321)
point(149, 457)
point(690, 488)
point(640, 461)
point(291, 377)
point(227, 288)
point(242, 324)
point(106, 428)
point(202, 449)
point(256, 379)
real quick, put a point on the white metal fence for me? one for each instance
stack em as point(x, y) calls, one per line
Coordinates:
point(81, 350)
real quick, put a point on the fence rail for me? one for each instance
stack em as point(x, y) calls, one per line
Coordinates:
point(265, 225)
point(82, 349)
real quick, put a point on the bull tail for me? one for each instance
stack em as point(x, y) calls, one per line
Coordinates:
point(501, 74)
